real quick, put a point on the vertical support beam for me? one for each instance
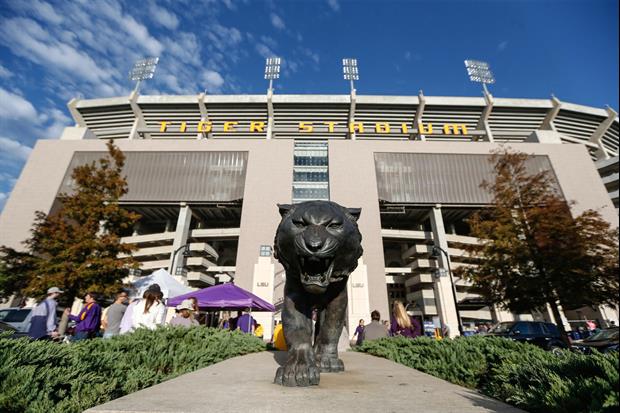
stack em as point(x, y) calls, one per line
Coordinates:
point(483, 122)
point(269, 113)
point(551, 114)
point(204, 115)
point(352, 135)
point(77, 116)
point(418, 115)
point(181, 235)
point(598, 134)
point(137, 112)
point(443, 286)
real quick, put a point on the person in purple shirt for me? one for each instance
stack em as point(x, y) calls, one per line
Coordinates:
point(403, 324)
point(246, 323)
point(88, 320)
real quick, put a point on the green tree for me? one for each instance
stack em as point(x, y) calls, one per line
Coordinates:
point(77, 247)
point(533, 251)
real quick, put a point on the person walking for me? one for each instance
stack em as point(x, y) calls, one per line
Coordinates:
point(88, 320)
point(114, 315)
point(359, 333)
point(43, 320)
point(184, 316)
point(403, 324)
point(376, 329)
point(150, 311)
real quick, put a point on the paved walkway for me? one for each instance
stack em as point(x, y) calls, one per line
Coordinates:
point(245, 384)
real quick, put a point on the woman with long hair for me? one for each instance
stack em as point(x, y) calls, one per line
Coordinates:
point(403, 324)
point(150, 311)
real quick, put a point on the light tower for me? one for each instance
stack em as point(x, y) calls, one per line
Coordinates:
point(350, 71)
point(480, 72)
point(272, 70)
point(143, 69)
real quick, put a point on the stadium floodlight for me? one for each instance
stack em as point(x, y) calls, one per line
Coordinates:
point(480, 72)
point(350, 71)
point(272, 70)
point(143, 69)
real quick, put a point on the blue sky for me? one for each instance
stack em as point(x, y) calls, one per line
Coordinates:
point(51, 51)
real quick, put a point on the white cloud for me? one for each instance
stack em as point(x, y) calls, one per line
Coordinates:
point(277, 22)
point(264, 50)
point(11, 149)
point(213, 80)
point(163, 17)
point(502, 46)
point(14, 107)
point(59, 121)
point(5, 73)
point(25, 38)
point(334, 5)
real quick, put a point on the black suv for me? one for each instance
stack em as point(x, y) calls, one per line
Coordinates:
point(544, 335)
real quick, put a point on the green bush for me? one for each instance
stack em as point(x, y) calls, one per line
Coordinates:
point(43, 376)
point(520, 374)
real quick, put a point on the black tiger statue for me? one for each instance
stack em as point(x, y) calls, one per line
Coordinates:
point(319, 244)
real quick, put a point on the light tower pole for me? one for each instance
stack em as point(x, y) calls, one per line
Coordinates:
point(143, 69)
point(480, 72)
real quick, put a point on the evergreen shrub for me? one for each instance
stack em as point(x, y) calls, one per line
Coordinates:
point(42, 376)
point(519, 374)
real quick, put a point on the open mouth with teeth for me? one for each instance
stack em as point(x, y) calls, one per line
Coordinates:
point(316, 273)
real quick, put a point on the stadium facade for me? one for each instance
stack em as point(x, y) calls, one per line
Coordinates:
point(206, 172)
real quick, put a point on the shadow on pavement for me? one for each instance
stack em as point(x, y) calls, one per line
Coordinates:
point(279, 357)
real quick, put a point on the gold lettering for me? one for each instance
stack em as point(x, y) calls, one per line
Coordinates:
point(382, 127)
point(404, 128)
point(183, 126)
point(163, 126)
point(428, 131)
point(455, 128)
point(305, 127)
point(257, 126)
point(230, 126)
point(356, 127)
point(330, 125)
point(205, 126)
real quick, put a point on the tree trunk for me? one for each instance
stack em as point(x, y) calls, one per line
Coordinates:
point(558, 321)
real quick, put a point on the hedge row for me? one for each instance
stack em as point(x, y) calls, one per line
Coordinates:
point(49, 377)
point(519, 374)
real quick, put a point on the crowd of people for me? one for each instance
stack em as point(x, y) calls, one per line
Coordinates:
point(400, 324)
point(123, 317)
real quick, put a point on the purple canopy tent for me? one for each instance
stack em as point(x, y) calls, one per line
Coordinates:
point(225, 297)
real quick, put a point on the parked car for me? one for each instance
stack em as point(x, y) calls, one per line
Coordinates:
point(17, 317)
point(604, 341)
point(5, 327)
point(541, 334)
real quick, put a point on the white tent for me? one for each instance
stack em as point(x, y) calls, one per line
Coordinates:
point(169, 286)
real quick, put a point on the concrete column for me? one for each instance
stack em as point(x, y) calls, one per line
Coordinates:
point(264, 277)
point(418, 114)
point(137, 112)
point(547, 123)
point(483, 122)
point(600, 131)
point(352, 135)
point(269, 113)
point(77, 116)
point(180, 237)
point(359, 307)
point(443, 287)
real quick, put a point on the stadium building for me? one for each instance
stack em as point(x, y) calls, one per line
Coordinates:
point(205, 172)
